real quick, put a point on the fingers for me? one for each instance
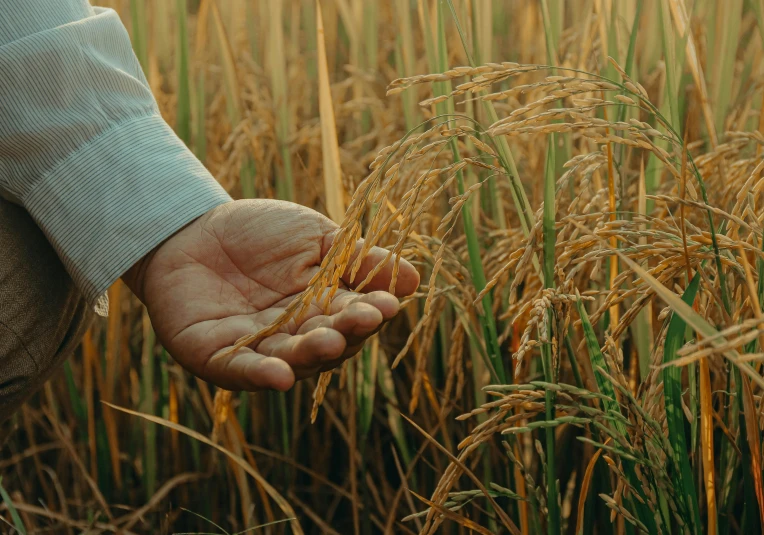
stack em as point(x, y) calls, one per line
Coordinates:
point(248, 370)
point(320, 342)
point(387, 305)
point(406, 283)
point(305, 353)
point(355, 321)
point(324, 341)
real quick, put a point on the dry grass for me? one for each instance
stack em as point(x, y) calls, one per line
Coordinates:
point(600, 214)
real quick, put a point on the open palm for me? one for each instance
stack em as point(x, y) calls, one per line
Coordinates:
point(232, 272)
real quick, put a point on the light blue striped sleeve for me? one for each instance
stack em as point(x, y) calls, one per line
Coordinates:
point(82, 144)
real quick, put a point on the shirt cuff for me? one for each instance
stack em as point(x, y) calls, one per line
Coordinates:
point(116, 198)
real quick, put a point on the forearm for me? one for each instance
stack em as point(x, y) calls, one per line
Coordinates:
point(83, 146)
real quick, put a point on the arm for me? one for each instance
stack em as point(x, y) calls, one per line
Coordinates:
point(84, 149)
point(82, 144)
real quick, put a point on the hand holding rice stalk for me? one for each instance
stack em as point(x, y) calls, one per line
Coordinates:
point(257, 294)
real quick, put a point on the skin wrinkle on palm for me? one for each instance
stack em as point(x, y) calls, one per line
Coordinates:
point(205, 289)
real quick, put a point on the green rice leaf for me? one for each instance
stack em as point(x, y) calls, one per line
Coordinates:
point(672, 381)
point(11, 509)
point(644, 513)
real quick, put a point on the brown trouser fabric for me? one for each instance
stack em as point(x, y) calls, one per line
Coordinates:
point(42, 314)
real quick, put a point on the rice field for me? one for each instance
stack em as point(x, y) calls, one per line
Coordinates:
point(578, 183)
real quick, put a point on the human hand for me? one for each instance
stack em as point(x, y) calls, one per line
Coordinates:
point(232, 271)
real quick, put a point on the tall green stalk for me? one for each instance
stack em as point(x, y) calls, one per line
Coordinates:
point(487, 320)
point(147, 406)
point(482, 32)
point(553, 519)
point(183, 119)
point(506, 160)
point(139, 32)
point(277, 61)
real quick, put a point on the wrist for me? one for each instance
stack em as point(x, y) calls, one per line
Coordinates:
point(134, 278)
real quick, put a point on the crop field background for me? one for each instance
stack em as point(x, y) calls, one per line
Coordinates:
point(579, 183)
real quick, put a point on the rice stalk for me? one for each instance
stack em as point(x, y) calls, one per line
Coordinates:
point(548, 363)
point(139, 32)
point(335, 203)
point(183, 119)
point(476, 268)
point(680, 18)
point(672, 380)
point(233, 98)
point(110, 376)
point(722, 51)
point(147, 405)
point(277, 62)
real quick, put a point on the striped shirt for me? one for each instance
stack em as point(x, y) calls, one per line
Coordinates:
point(82, 144)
